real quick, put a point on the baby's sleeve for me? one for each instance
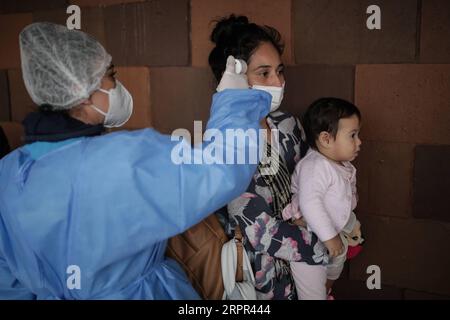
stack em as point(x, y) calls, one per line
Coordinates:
point(292, 210)
point(315, 179)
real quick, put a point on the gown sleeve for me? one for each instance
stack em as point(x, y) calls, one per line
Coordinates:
point(139, 192)
point(10, 286)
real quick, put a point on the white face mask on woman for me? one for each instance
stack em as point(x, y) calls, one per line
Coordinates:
point(120, 106)
point(277, 94)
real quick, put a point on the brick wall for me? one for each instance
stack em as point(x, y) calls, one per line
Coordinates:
point(399, 76)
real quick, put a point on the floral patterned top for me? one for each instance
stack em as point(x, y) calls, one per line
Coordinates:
point(269, 241)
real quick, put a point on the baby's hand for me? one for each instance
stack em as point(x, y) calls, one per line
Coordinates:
point(299, 222)
point(335, 246)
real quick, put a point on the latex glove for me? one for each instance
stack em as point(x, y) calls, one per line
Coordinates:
point(234, 76)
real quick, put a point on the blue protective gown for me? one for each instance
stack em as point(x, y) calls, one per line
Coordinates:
point(96, 212)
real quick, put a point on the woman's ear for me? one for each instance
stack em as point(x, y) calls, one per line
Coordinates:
point(81, 112)
point(325, 139)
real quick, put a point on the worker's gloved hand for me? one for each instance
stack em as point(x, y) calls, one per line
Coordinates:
point(234, 76)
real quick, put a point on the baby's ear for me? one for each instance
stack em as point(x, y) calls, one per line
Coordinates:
point(324, 139)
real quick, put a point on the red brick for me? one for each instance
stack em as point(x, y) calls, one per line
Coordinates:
point(5, 112)
point(14, 132)
point(152, 33)
point(418, 295)
point(335, 32)
point(102, 3)
point(92, 21)
point(435, 32)
point(180, 96)
point(276, 14)
point(405, 103)
point(411, 254)
point(55, 16)
point(21, 103)
point(432, 182)
point(137, 81)
point(11, 25)
point(9, 6)
point(306, 83)
point(345, 274)
point(357, 290)
point(385, 178)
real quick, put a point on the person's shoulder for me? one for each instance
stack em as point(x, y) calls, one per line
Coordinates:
point(279, 116)
point(7, 161)
point(314, 163)
point(130, 136)
point(285, 122)
point(126, 143)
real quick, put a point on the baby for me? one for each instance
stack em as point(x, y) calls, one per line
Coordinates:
point(324, 187)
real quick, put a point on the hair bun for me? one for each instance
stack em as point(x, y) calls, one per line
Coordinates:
point(226, 27)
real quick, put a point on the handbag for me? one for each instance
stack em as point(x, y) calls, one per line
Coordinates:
point(217, 267)
point(198, 251)
point(237, 273)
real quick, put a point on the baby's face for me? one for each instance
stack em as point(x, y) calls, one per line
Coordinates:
point(347, 143)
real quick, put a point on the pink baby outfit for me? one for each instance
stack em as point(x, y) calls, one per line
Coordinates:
point(325, 195)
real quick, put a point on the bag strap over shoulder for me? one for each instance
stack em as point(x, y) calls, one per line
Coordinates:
point(237, 273)
point(240, 253)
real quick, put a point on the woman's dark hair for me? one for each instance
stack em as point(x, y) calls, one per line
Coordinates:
point(324, 115)
point(235, 36)
point(47, 108)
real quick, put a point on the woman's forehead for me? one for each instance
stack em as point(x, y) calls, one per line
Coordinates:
point(265, 55)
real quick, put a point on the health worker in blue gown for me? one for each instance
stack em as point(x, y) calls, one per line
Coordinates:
point(86, 215)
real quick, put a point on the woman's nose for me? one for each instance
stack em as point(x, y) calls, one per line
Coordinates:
point(277, 80)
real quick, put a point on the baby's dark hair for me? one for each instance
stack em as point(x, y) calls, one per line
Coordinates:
point(324, 115)
point(235, 36)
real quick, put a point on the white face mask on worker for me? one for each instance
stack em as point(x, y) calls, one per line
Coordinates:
point(120, 106)
point(277, 94)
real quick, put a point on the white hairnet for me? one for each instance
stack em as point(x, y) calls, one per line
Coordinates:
point(61, 67)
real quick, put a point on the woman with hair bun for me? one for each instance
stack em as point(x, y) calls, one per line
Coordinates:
point(270, 242)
